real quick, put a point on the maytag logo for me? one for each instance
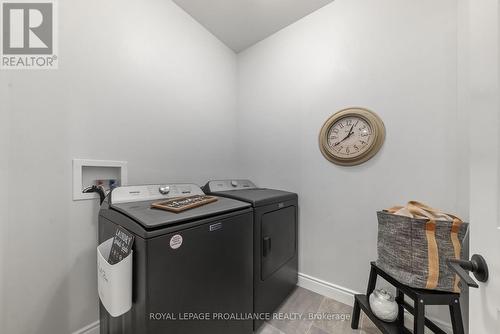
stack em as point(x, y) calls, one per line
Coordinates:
point(29, 39)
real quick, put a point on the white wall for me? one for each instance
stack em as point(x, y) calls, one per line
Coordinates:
point(4, 191)
point(398, 58)
point(139, 81)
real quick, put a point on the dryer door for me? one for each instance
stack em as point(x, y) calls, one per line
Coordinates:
point(278, 239)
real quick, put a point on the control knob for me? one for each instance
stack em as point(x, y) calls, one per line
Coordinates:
point(164, 190)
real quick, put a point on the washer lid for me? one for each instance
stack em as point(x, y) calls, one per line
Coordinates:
point(258, 196)
point(150, 218)
point(135, 202)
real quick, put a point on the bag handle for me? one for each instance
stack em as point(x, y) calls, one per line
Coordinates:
point(435, 212)
point(395, 209)
point(420, 210)
point(457, 222)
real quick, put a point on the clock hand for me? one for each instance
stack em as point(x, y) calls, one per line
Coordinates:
point(350, 131)
point(338, 142)
point(342, 140)
point(350, 134)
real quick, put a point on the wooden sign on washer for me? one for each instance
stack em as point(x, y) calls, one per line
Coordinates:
point(180, 204)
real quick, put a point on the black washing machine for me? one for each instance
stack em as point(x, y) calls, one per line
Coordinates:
point(275, 239)
point(207, 270)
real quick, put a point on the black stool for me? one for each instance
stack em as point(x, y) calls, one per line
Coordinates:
point(421, 298)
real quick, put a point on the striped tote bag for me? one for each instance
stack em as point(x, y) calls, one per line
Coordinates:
point(414, 243)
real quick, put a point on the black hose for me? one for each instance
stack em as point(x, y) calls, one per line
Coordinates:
point(96, 189)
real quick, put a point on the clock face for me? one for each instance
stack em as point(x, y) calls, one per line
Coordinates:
point(349, 137)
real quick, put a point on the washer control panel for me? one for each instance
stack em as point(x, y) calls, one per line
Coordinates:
point(225, 185)
point(153, 192)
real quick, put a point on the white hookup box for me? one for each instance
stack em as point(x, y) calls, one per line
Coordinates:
point(114, 282)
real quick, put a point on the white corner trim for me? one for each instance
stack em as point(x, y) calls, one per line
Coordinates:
point(93, 328)
point(345, 295)
point(327, 289)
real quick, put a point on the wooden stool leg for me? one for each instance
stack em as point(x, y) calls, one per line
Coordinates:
point(356, 312)
point(372, 282)
point(419, 317)
point(456, 317)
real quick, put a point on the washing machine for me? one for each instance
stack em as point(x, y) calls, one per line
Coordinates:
point(275, 232)
point(187, 267)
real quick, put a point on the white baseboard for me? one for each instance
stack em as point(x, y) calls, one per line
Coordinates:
point(345, 295)
point(93, 328)
point(327, 289)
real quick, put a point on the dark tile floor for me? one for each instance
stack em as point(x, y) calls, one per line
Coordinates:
point(306, 312)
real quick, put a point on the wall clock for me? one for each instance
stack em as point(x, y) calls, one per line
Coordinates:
point(351, 136)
